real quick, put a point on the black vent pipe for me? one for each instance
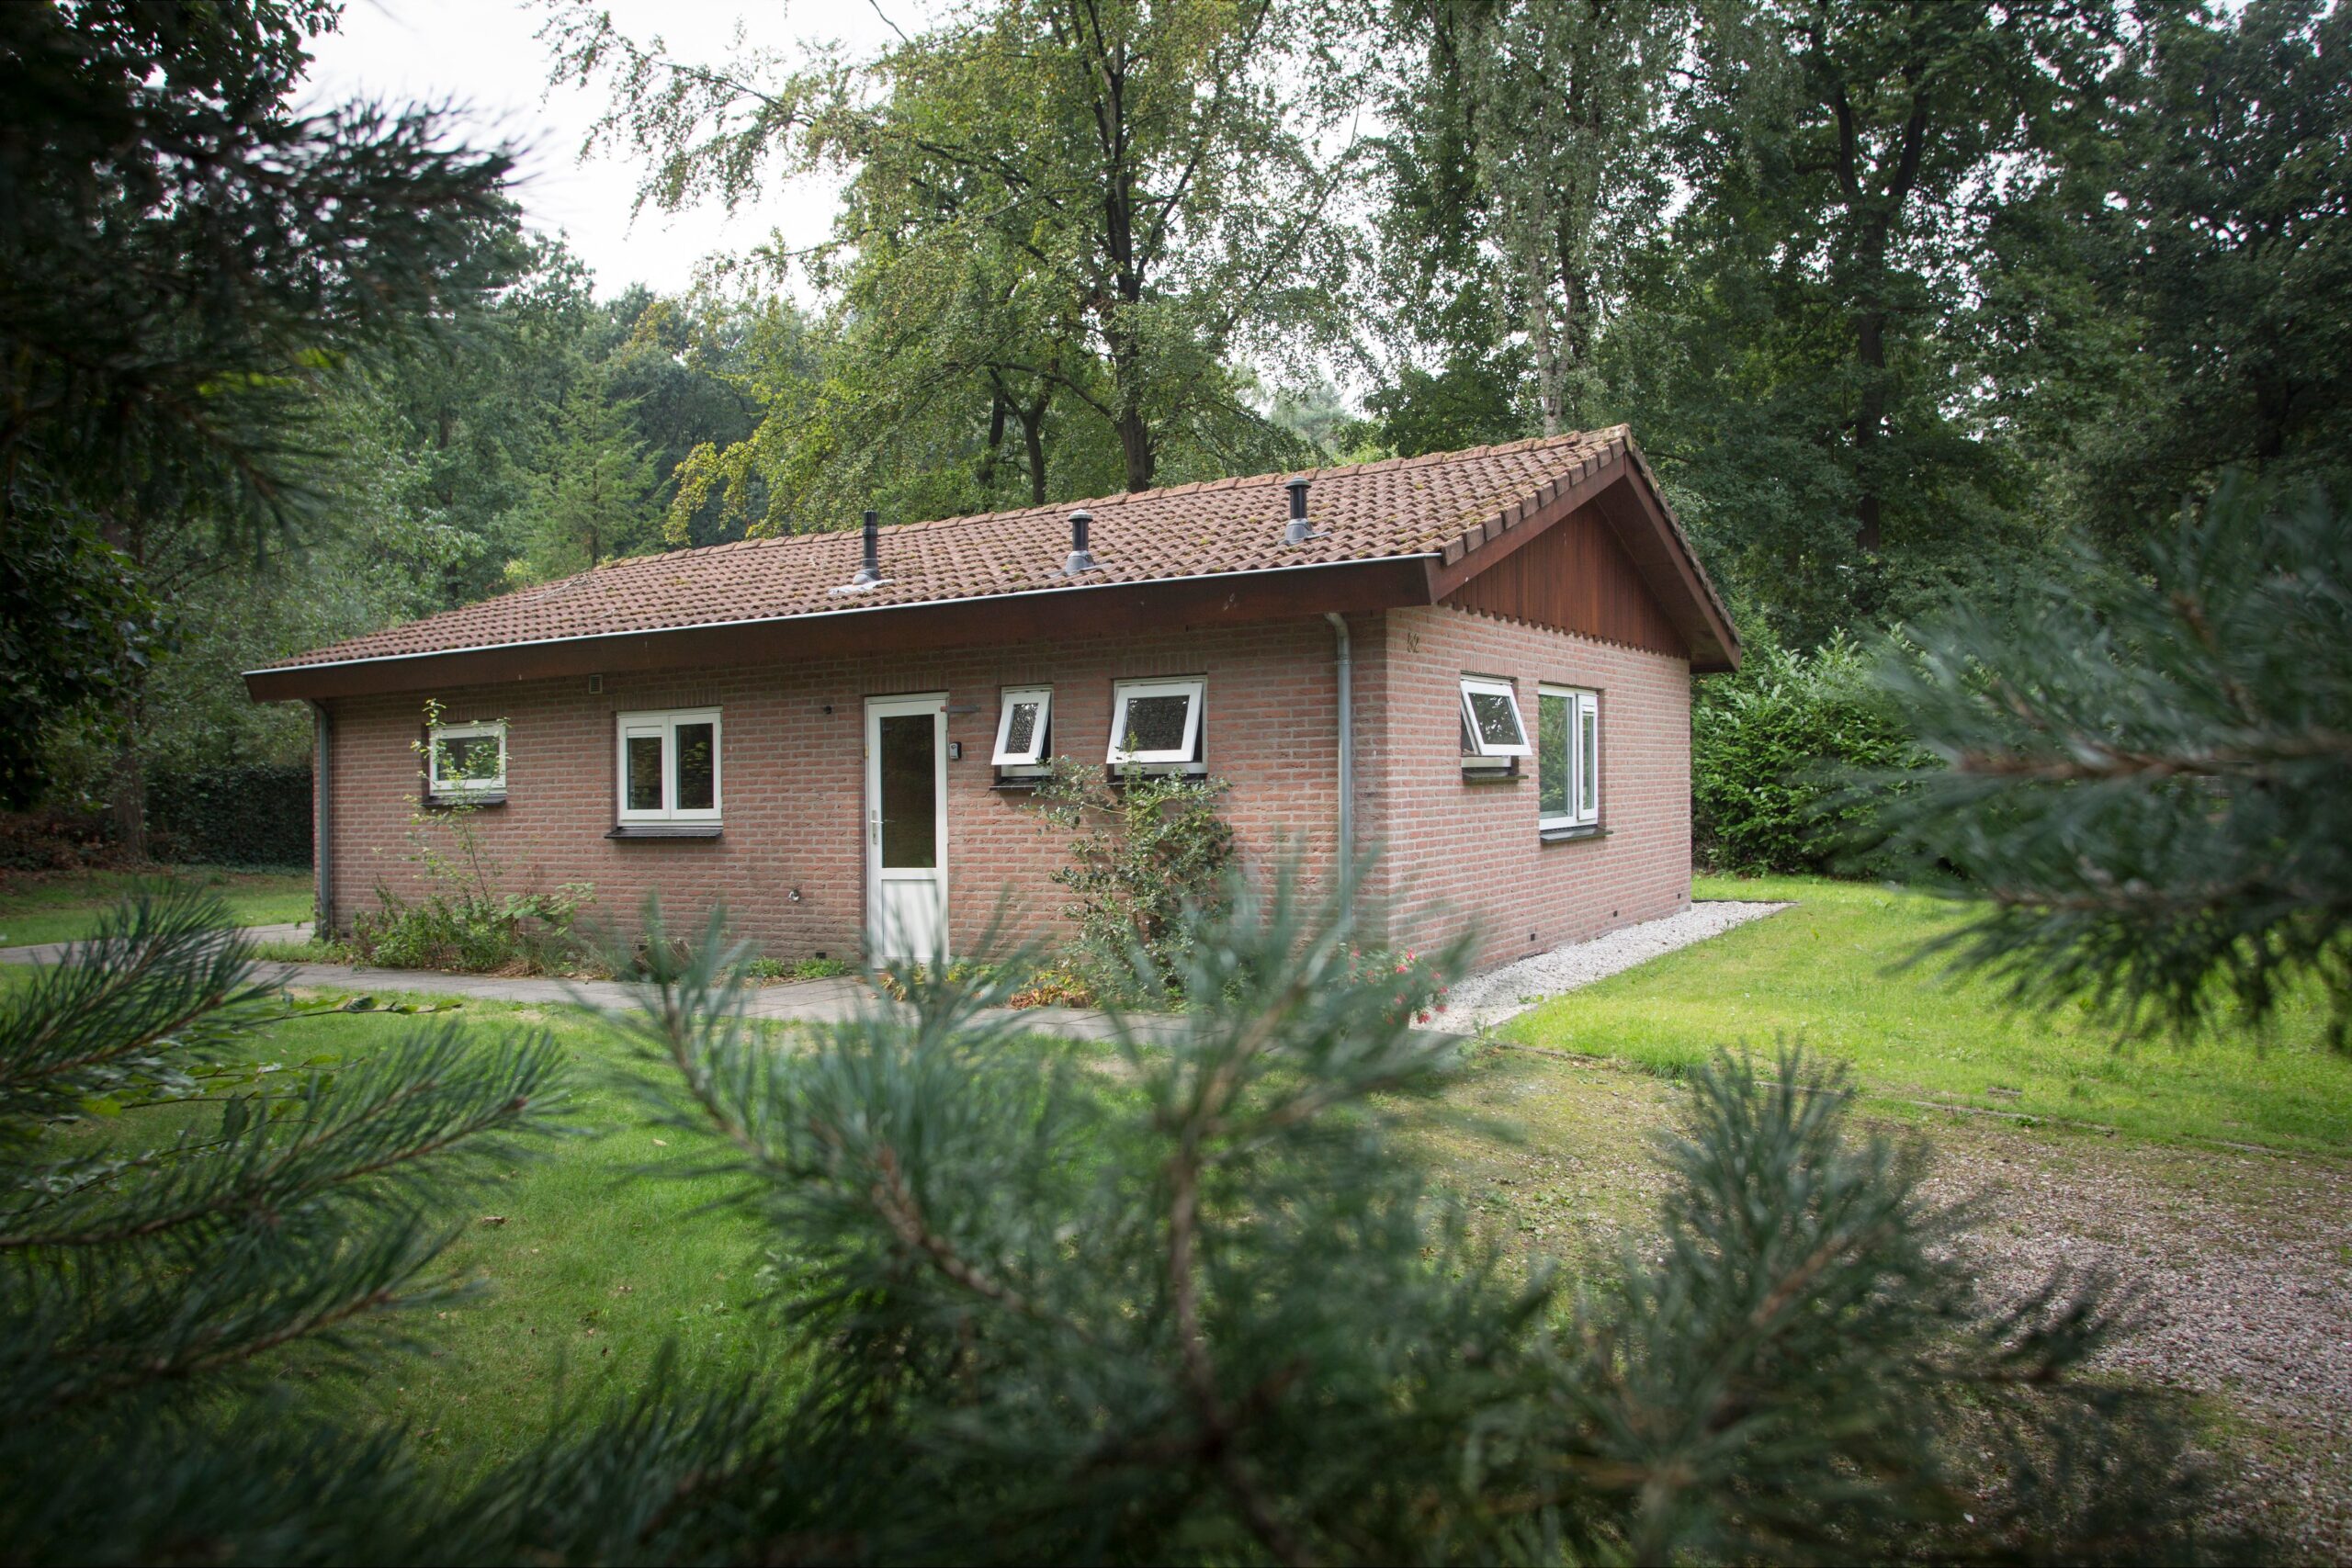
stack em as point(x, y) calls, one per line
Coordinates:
point(871, 571)
point(1080, 558)
point(1300, 530)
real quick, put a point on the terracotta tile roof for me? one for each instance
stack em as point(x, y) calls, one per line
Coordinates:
point(1412, 506)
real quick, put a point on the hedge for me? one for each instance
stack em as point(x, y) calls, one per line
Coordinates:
point(1774, 750)
point(254, 814)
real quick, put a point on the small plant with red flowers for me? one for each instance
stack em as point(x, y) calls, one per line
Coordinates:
point(1420, 989)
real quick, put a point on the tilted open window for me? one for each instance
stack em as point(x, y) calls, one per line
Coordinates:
point(1493, 735)
point(669, 766)
point(1568, 760)
point(1025, 729)
point(1157, 724)
point(465, 762)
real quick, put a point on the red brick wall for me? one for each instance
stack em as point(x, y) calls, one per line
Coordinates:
point(1470, 851)
point(792, 775)
point(792, 778)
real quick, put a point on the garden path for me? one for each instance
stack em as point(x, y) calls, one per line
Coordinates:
point(1480, 1001)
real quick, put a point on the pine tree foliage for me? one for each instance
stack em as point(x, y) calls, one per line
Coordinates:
point(2144, 777)
point(153, 1281)
point(1207, 1307)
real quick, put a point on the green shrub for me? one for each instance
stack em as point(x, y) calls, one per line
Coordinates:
point(509, 932)
point(1774, 751)
point(1148, 853)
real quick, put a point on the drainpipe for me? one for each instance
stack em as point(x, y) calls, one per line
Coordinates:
point(323, 888)
point(1344, 662)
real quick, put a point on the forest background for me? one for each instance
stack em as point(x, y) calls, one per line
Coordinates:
point(1903, 301)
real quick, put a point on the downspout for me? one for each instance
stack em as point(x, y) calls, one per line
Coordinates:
point(1344, 662)
point(322, 838)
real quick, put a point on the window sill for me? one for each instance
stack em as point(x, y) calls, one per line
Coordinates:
point(665, 830)
point(1493, 776)
point(1571, 835)
point(487, 797)
point(1127, 773)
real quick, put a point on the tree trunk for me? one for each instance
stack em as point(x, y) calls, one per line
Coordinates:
point(996, 438)
point(1870, 424)
point(129, 806)
point(1134, 445)
point(1032, 437)
point(1549, 378)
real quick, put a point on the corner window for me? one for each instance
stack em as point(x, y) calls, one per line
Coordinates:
point(1568, 758)
point(669, 766)
point(1493, 735)
point(1156, 723)
point(1024, 728)
point(465, 759)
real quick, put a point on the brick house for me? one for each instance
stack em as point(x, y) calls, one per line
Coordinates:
point(1477, 662)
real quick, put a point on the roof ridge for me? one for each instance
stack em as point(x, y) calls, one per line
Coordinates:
point(1276, 477)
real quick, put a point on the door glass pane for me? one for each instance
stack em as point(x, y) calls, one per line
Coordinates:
point(1552, 755)
point(910, 797)
point(1589, 774)
point(644, 792)
point(1498, 719)
point(1021, 730)
point(1156, 724)
point(697, 767)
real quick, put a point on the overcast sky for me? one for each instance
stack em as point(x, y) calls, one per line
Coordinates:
point(483, 56)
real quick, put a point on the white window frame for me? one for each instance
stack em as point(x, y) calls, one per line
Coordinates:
point(1033, 760)
point(1476, 748)
point(1184, 757)
point(441, 788)
point(1583, 790)
point(666, 722)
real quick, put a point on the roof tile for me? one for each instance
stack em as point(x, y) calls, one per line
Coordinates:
point(1442, 504)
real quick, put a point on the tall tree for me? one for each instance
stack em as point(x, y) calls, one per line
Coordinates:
point(2182, 299)
point(596, 498)
point(1796, 351)
point(182, 258)
point(1079, 208)
point(1527, 160)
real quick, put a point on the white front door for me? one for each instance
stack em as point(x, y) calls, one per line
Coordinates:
point(906, 826)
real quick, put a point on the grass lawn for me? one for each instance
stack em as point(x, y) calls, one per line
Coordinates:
point(590, 1256)
point(1827, 973)
point(45, 907)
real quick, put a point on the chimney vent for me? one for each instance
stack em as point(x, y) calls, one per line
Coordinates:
point(1080, 558)
point(1299, 529)
point(870, 570)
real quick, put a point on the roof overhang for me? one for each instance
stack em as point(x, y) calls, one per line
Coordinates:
point(1077, 611)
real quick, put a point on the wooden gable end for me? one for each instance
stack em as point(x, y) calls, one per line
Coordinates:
point(1574, 577)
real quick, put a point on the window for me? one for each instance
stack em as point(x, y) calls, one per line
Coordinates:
point(1568, 758)
point(1156, 723)
point(465, 761)
point(1024, 728)
point(1492, 733)
point(669, 766)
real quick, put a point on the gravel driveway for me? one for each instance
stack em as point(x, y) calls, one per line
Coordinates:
point(2245, 1265)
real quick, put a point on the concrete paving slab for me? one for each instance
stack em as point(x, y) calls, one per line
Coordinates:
point(54, 952)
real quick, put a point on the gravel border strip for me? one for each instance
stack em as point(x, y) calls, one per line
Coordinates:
point(1485, 999)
